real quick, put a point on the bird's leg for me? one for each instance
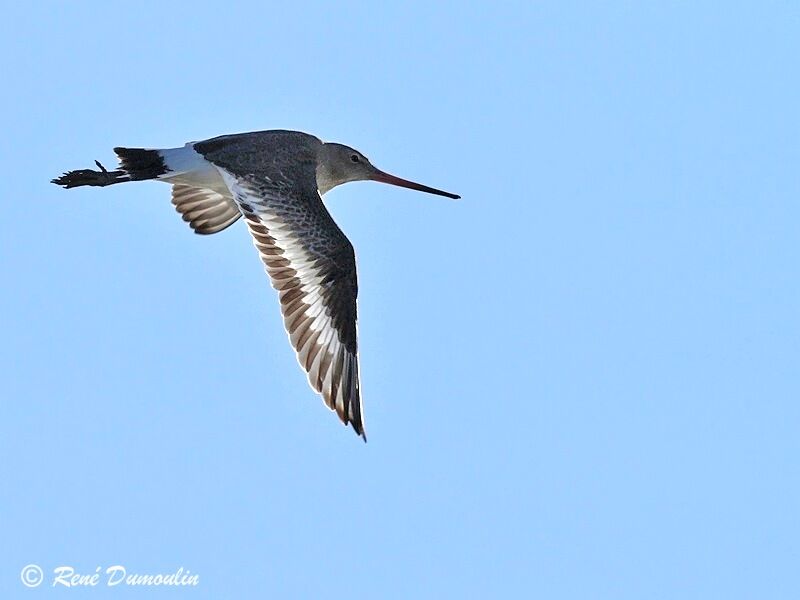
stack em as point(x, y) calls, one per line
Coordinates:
point(100, 178)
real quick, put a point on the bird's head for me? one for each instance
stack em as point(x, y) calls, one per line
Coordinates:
point(338, 164)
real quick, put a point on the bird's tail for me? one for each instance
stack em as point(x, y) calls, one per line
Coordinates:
point(141, 164)
point(135, 164)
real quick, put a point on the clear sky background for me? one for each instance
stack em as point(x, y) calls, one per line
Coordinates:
point(580, 381)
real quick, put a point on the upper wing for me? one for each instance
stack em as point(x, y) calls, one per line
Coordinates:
point(205, 210)
point(312, 265)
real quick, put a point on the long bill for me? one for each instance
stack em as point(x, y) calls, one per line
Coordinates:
point(391, 179)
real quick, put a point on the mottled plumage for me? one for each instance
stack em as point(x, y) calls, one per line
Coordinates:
point(274, 180)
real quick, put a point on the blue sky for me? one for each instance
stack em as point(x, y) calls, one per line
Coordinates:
point(580, 381)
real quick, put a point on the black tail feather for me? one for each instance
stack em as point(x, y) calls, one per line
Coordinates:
point(141, 164)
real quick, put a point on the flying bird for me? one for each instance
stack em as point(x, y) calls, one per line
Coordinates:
point(275, 180)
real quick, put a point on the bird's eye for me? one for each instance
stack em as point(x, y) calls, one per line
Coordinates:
point(354, 157)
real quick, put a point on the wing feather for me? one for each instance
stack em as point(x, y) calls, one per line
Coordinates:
point(312, 265)
point(205, 210)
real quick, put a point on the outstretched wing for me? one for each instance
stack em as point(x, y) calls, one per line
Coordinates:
point(312, 265)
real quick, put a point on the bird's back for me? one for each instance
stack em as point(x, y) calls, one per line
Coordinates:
point(276, 152)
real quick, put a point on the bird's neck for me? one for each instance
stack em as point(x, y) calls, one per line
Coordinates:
point(325, 179)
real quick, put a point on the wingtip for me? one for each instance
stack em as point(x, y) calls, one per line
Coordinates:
point(359, 429)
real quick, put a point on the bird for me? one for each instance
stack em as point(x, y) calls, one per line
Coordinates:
point(275, 181)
